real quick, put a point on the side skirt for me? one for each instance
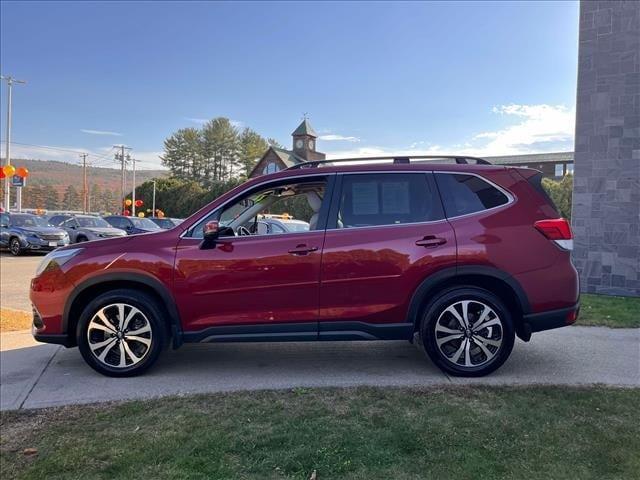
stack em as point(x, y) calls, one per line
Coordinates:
point(301, 332)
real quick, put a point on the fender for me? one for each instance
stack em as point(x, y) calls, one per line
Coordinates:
point(156, 285)
point(449, 273)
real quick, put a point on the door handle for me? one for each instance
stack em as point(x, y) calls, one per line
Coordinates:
point(302, 249)
point(431, 241)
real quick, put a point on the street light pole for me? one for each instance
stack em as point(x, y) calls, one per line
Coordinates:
point(133, 191)
point(7, 181)
point(153, 208)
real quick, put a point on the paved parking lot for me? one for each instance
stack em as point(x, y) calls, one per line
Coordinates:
point(36, 375)
point(15, 274)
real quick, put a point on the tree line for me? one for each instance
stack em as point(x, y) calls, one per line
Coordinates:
point(216, 152)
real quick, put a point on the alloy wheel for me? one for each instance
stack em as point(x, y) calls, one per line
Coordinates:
point(469, 333)
point(119, 335)
point(15, 247)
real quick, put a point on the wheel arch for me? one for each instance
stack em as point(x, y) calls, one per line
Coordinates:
point(492, 279)
point(89, 289)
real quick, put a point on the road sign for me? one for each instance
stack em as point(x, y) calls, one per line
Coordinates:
point(18, 181)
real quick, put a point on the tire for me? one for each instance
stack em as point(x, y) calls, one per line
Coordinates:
point(103, 345)
point(14, 247)
point(470, 351)
point(81, 239)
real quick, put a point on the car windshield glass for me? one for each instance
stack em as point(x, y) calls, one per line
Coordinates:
point(296, 226)
point(164, 222)
point(28, 221)
point(92, 222)
point(144, 223)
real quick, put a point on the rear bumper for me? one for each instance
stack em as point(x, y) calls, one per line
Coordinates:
point(538, 322)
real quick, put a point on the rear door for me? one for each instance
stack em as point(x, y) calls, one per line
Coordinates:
point(386, 234)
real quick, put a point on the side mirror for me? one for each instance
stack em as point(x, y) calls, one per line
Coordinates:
point(210, 233)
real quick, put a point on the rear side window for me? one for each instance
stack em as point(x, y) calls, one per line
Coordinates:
point(464, 194)
point(387, 199)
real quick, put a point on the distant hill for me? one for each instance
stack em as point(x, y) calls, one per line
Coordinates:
point(56, 185)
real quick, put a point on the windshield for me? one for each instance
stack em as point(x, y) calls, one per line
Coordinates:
point(164, 222)
point(296, 226)
point(92, 222)
point(28, 221)
point(144, 223)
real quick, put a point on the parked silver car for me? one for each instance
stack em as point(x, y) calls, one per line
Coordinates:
point(82, 228)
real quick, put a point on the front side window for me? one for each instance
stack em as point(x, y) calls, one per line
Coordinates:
point(464, 194)
point(295, 204)
point(368, 200)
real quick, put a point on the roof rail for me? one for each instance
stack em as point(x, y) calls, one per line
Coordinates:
point(459, 159)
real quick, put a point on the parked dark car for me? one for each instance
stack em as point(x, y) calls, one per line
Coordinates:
point(132, 225)
point(83, 228)
point(166, 222)
point(22, 232)
point(466, 256)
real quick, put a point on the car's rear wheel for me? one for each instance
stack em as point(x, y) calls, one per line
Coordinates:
point(14, 247)
point(467, 331)
point(121, 333)
point(81, 238)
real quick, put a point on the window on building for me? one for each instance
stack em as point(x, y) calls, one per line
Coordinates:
point(569, 169)
point(559, 170)
point(271, 168)
point(464, 194)
point(387, 199)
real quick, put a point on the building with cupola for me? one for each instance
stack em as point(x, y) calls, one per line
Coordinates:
point(303, 150)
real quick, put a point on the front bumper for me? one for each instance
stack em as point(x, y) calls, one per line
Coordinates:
point(32, 243)
point(538, 322)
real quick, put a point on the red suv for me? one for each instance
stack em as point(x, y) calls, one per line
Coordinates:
point(465, 255)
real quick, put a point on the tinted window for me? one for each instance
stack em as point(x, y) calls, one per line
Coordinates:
point(117, 222)
point(387, 199)
point(464, 194)
point(143, 223)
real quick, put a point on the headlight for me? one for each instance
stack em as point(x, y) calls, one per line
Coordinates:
point(57, 257)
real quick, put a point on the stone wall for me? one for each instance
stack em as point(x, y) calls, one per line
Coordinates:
point(606, 197)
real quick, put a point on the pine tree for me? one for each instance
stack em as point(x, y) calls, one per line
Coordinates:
point(71, 199)
point(252, 147)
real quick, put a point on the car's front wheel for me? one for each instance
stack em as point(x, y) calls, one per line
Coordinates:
point(121, 333)
point(14, 247)
point(467, 331)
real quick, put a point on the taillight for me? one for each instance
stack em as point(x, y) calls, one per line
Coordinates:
point(558, 230)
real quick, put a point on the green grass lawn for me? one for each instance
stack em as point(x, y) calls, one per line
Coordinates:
point(365, 433)
point(606, 311)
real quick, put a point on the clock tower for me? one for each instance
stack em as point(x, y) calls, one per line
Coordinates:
point(304, 142)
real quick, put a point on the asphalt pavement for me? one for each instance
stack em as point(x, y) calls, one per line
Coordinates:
point(15, 275)
point(35, 375)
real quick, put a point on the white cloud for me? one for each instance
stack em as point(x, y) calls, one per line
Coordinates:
point(199, 121)
point(539, 129)
point(334, 138)
point(531, 129)
point(149, 160)
point(100, 132)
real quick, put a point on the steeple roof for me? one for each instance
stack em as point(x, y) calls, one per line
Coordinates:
point(305, 128)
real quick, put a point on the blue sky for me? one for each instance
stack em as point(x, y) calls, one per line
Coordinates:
point(472, 77)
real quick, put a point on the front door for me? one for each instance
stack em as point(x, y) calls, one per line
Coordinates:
point(252, 277)
point(386, 234)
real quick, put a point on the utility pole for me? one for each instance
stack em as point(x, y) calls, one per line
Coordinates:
point(133, 191)
point(122, 158)
point(85, 199)
point(7, 181)
point(153, 208)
